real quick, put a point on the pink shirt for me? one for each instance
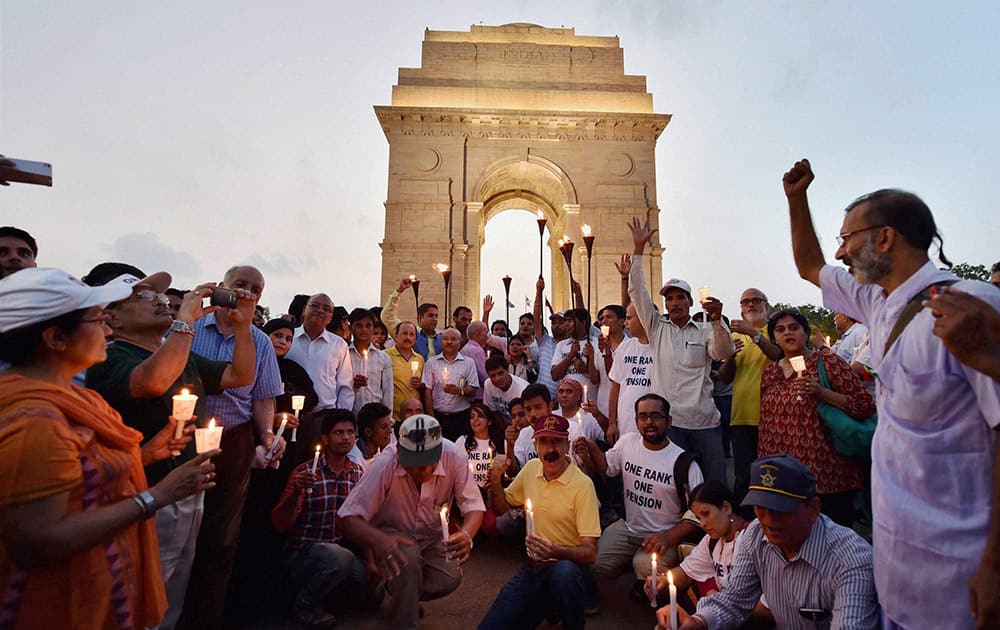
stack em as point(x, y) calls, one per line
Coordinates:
point(388, 498)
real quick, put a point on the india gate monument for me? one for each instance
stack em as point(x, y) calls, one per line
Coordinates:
point(517, 117)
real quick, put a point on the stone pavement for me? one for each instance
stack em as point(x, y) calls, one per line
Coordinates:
point(491, 565)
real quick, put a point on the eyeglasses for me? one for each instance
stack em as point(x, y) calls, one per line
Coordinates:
point(320, 307)
point(645, 417)
point(842, 238)
point(102, 319)
point(749, 301)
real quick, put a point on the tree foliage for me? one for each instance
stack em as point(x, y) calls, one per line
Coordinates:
point(971, 272)
point(819, 318)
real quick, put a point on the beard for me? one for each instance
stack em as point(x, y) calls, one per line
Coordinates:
point(867, 266)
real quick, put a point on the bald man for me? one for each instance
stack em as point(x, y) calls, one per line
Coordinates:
point(325, 356)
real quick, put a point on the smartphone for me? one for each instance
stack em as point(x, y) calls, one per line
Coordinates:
point(814, 614)
point(25, 171)
point(226, 298)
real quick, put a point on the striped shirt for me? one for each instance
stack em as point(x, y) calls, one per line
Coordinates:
point(832, 572)
point(234, 406)
point(317, 512)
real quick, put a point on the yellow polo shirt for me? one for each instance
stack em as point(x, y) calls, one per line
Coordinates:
point(750, 364)
point(401, 374)
point(566, 509)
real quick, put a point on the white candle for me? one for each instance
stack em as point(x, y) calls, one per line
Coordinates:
point(652, 571)
point(605, 331)
point(414, 366)
point(827, 338)
point(799, 365)
point(444, 375)
point(207, 439)
point(673, 601)
point(584, 394)
point(529, 515)
point(314, 466)
point(364, 355)
point(183, 410)
point(298, 403)
point(277, 436)
point(704, 293)
point(444, 528)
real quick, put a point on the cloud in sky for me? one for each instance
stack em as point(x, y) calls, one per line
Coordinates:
point(147, 252)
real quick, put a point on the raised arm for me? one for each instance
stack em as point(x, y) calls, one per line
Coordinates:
point(624, 265)
point(389, 316)
point(805, 245)
point(641, 299)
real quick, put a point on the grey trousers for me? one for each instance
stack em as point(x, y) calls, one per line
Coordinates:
point(177, 528)
point(426, 576)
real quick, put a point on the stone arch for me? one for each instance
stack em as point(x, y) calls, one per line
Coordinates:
point(516, 116)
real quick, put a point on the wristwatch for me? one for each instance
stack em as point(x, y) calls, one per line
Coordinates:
point(181, 327)
point(756, 338)
point(146, 503)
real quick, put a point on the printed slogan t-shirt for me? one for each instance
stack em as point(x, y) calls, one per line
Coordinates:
point(479, 457)
point(651, 503)
point(632, 370)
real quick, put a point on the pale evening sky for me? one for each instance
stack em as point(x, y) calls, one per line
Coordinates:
point(189, 136)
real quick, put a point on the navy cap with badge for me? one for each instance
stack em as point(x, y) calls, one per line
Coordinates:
point(780, 483)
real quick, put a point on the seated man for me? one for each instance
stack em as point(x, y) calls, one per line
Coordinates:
point(394, 515)
point(308, 509)
point(563, 528)
point(409, 407)
point(813, 572)
point(654, 505)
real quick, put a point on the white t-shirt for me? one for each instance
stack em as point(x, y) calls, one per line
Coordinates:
point(563, 349)
point(632, 370)
point(702, 564)
point(651, 503)
point(479, 457)
point(499, 400)
point(524, 446)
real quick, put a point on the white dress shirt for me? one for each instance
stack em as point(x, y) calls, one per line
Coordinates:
point(377, 366)
point(327, 361)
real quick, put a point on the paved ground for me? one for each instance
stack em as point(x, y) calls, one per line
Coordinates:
point(491, 565)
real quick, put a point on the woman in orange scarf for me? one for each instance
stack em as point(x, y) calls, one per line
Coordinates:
point(76, 547)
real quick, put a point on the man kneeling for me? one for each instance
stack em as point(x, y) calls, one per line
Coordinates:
point(394, 513)
point(563, 528)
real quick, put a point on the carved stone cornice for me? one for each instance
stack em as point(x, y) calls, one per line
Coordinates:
point(520, 124)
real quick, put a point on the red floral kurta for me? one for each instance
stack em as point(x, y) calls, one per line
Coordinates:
point(794, 427)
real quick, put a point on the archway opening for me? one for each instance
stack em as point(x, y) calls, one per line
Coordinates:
point(510, 247)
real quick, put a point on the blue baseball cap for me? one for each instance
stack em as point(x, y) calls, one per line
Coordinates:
point(780, 483)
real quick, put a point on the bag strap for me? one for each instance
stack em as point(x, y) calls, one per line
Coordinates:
point(910, 311)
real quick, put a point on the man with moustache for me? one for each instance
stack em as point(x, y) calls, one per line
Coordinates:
point(645, 459)
point(450, 381)
point(247, 415)
point(812, 572)
point(754, 351)
point(683, 352)
point(324, 355)
point(935, 452)
point(561, 545)
point(407, 366)
point(428, 342)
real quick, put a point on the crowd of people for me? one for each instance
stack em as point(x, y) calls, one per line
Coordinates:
point(362, 457)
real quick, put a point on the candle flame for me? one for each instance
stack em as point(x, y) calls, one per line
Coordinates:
point(585, 229)
point(527, 505)
point(317, 448)
point(211, 423)
point(670, 578)
point(412, 277)
point(185, 392)
point(444, 512)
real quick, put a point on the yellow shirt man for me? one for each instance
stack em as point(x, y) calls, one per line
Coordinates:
point(566, 509)
point(750, 364)
point(402, 372)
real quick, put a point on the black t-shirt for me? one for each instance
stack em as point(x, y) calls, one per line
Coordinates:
point(110, 379)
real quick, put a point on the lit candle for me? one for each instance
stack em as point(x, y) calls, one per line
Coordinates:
point(673, 601)
point(584, 393)
point(207, 439)
point(414, 366)
point(184, 403)
point(704, 293)
point(314, 466)
point(605, 330)
point(652, 571)
point(412, 277)
point(444, 528)
point(585, 229)
point(444, 374)
point(298, 403)
point(799, 365)
point(827, 338)
point(277, 436)
point(529, 516)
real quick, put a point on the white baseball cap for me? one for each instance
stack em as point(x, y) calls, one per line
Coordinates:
point(676, 283)
point(419, 441)
point(35, 295)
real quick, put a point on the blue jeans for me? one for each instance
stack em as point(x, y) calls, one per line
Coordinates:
point(538, 591)
point(323, 567)
point(707, 445)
